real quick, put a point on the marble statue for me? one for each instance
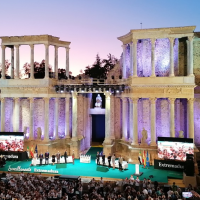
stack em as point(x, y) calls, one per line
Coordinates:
point(39, 133)
point(144, 137)
point(98, 101)
point(181, 134)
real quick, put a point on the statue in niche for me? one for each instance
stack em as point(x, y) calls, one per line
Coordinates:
point(144, 137)
point(39, 133)
point(98, 101)
point(181, 134)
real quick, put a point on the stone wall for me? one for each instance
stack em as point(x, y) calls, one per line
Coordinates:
point(182, 57)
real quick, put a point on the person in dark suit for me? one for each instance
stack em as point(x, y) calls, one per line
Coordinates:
point(109, 159)
point(103, 159)
point(46, 155)
point(98, 158)
point(58, 157)
point(65, 156)
point(41, 158)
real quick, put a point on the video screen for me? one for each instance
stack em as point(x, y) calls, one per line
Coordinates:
point(11, 141)
point(174, 150)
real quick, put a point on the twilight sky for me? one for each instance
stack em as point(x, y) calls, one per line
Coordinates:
point(91, 26)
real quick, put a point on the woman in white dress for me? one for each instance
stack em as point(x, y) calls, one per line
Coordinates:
point(113, 161)
point(34, 160)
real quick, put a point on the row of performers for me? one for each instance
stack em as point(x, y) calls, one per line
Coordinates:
point(111, 159)
point(46, 156)
point(2, 161)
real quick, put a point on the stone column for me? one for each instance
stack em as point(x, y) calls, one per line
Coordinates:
point(124, 62)
point(74, 116)
point(12, 62)
point(46, 118)
point(56, 119)
point(32, 61)
point(172, 126)
point(124, 119)
point(171, 74)
point(153, 121)
point(188, 57)
point(3, 72)
point(135, 121)
point(107, 118)
point(46, 61)
point(16, 115)
point(31, 133)
point(153, 57)
point(131, 58)
point(67, 62)
point(2, 114)
point(191, 117)
point(135, 58)
point(17, 61)
point(130, 119)
point(56, 62)
point(67, 117)
point(191, 73)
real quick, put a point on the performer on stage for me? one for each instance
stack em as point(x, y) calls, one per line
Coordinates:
point(98, 158)
point(113, 160)
point(73, 156)
point(41, 158)
point(58, 157)
point(46, 155)
point(34, 160)
point(109, 159)
point(65, 156)
point(53, 158)
point(103, 158)
point(120, 162)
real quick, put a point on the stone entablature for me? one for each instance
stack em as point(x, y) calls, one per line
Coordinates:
point(34, 39)
point(174, 32)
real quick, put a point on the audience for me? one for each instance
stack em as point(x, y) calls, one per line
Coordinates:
point(27, 187)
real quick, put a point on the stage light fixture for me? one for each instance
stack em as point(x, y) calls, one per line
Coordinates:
point(57, 88)
point(62, 88)
point(107, 89)
point(72, 88)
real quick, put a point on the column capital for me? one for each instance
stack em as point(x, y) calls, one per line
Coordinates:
point(190, 38)
point(56, 98)
point(17, 46)
point(153, 40)
point(135, 41)
point(31, 99)
point(171, 39)
point(3, 47)
point(171, 100)
point(2, 99)
point(31, 46)
point(153, 100)
point(67, 49)
point(56, 47)
point(190, 100)
point(16, 98)
point(46, 99)
point(135, 100)
point(46, 45)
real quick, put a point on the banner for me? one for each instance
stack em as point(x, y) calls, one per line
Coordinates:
point(169, 165)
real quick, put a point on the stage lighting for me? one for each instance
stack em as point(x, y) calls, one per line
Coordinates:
point(107, 89)
point(62, 88)
point(96, 90)
point(123, 87)
point(82, 88)
point(57, 88)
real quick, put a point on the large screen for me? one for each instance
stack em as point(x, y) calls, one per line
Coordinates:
point(174, 148)
point(11, 141)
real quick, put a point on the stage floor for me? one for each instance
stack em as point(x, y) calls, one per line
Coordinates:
point(92, 170)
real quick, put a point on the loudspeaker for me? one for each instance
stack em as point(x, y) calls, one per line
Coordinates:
point(189, 168)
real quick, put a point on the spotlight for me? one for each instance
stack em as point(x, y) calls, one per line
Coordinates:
point(62, 88)
point(72, 88)
point(123, 87)
point(57, 88)
point(96, 90)
point(107, 89)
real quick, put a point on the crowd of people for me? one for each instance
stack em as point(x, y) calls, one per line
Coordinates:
point(28, 186)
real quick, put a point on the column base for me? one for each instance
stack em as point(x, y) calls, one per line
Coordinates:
point(107, 141)
point(67, 136)
point(74, 139)
point(191, 75)
point(153, 75)
point(134, 75)
point(171, 75)
point(153, 144)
